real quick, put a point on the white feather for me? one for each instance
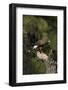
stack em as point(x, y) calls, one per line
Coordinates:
point(34, 47)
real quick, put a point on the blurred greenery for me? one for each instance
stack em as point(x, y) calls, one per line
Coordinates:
point(44, 26)
point(37, 66)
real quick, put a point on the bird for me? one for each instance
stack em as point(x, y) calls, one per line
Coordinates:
point(41, 42)
point(39, 45)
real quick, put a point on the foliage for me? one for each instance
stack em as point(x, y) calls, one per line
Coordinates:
point(43, 26)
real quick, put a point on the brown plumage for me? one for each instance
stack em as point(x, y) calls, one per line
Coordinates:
point(43, 41)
